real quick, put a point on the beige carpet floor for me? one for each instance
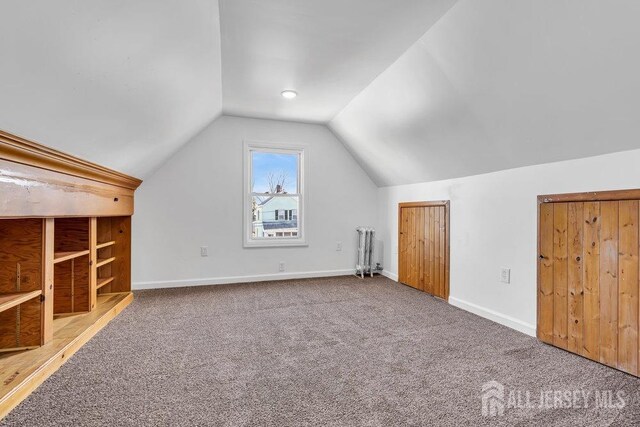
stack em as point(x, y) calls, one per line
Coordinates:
point(336, 351)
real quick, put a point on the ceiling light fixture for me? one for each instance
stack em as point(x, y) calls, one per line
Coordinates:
point(289, 94)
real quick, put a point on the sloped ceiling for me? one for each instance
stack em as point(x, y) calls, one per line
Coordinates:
point(118, 82)
point(498, 84)
point(418, 90)
point(326, 50)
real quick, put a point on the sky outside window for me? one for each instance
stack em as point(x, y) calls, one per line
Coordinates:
point(265, 165)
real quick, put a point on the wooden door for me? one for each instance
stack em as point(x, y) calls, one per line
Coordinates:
point(423, 246)
point(588, 276)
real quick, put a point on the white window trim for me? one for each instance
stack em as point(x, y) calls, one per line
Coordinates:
point(303, 169)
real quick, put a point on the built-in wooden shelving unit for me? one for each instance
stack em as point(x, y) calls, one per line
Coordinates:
point(65, 259)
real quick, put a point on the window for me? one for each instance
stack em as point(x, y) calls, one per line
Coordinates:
point(274, 199)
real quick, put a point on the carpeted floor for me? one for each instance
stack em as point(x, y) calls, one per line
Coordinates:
point(337, 351)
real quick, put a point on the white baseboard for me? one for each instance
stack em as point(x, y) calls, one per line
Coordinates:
point(492, 315)
point(505, 320)
point(238, 279)
point(390, 275)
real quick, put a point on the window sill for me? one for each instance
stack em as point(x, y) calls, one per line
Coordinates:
point(275, 243)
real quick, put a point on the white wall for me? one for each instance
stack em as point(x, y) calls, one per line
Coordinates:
point(494, 224)
point(195, 199)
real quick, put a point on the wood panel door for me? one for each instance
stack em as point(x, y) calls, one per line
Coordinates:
point(588, 276)
point(423, 246)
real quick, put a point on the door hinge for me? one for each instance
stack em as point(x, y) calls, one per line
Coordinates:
point(41, 298)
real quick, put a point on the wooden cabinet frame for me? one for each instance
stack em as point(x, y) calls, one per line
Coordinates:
point(40, 182)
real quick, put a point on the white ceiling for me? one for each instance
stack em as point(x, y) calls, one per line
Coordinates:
point(326, 50)
point(498, 84)
point(123, 83)
point(418, 90)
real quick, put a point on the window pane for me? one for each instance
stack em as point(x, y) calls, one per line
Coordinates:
point(269, 219)
point(274, 173)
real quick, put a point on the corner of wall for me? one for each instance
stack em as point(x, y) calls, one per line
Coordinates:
point(352, 153)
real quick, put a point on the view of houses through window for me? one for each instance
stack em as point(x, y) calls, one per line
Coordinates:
point(275, 194)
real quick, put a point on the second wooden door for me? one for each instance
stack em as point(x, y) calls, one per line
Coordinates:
point(423, 246)
point(588, 277)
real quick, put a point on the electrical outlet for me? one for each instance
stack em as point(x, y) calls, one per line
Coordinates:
point(505, 275)
point(281, 266)
point(338, 246)
point(204, 250)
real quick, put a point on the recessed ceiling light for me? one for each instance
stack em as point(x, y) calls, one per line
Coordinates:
point(289, 94)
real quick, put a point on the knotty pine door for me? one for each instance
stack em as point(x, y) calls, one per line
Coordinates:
point(588, 279)
point(423, 246)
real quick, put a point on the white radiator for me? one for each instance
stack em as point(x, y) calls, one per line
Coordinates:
point(366, 239)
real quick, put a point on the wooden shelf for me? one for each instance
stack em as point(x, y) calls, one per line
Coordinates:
point(103, 282)
point(105, 244)
point(104, 261)
point(66, 256)
point(8, 301)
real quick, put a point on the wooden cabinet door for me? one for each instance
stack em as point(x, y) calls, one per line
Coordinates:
point(411, 247)
point(588, 279)
point(423, 248)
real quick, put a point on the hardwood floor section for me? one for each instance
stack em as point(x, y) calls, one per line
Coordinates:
point(22, 372)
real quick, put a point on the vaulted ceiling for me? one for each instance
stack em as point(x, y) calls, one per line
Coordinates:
point(327, 50)
point(498, 84)
point(417, 90)
point(123, 83)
